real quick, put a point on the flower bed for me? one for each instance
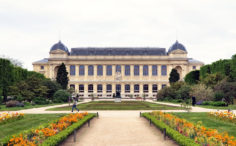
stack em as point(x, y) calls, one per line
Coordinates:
point(224, 116)
point(200, 134)
point(50, 134)
point(9, 117)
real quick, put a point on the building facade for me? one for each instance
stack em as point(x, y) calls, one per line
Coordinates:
point(101, 72)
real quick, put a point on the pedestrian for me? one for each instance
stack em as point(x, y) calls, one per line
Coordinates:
point(74, 104)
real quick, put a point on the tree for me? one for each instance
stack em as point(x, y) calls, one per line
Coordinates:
point(202, 92)
point(62, 77)
point(192, 77)
point(212, 79)
point(52, 86)
point(174, 76)
point(61, 96)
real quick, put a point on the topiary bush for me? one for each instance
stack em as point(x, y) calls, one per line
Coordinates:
point(61, 96)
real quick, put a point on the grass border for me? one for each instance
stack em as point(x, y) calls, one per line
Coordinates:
point(173, 134)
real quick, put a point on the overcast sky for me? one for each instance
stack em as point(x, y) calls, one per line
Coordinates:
point(28, 28)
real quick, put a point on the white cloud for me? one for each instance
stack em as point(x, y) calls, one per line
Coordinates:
point(29, 28)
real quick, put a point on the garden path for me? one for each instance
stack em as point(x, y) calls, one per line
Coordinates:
point(118, 128)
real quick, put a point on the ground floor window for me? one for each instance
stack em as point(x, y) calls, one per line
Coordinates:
point(118, 88)
point(145, 88)
point(109, 88)
point(81, 88)
point(99, 88)
point(163, 86)
point(127, 88)
point(154, 88)
point(90, 88)
point(136, 88)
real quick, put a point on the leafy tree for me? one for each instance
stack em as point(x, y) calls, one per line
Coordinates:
point(212, 79)
point(174, 76)
point(61, 96)
point(192, 77)
point(62, 77)
point(184, 92)
point(202, 92)
point(52, 86)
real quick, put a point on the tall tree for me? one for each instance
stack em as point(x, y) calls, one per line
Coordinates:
point(62, 77)
point(174, 76)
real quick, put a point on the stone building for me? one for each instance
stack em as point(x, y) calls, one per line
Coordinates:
point(100, 72)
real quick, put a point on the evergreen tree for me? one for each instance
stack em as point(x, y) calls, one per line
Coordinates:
point(62, 77)
point(174, 76)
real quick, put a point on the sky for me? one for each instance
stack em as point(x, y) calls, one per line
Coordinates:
point(29, 28)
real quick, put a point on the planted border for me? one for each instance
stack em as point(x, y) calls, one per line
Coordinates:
point(49, 133)
point(225, 116)
point(173, 134)
point(10, 117)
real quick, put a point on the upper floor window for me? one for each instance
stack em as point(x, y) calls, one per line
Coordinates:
point(118, 68)
point(90, 88)
point(127, 70)
point(136, 88)
point(81, 70)
point(194, 67)
point(99, 88)
point(81, 88)
point(42, 67)
point(72, 70)
point(145, 88)
point(136, 70)
point(109, 88)
point(145, 70)
point(100, 70)
point(127, 88)
point(154, 88)
point(109, 70)
point(154, 70)
point(163, 70)
point(90, 70)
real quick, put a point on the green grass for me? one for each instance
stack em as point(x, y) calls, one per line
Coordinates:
point(124, 105)
point(4, 108)
point(209, 122)
point(28, 122)
point(232, 107)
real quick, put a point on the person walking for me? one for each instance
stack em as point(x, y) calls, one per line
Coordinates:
point(74, 104)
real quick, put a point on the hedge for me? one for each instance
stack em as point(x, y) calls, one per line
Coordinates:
point(173, 134)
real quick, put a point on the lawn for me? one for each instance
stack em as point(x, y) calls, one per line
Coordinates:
point(209, 122)
point(232, 107)
point(124, 105)
point(4, 108)
point(28, 122)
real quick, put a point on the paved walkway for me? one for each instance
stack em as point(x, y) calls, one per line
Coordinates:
point(118, 129)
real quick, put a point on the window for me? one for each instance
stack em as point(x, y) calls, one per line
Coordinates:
point(145, 88)
point(127, 70)
point(118, 68)
point(72, 70)
point(136, 88)
point(81, 88)
point(99, 88)
point(145, 70)
point(194, 67)
point(109, 70)
point(109, 88)
point(90, 70)
point(72, 86)
point(154, 88)
point(154, 70)
point(127, 88)
point(136, 70)
point(100, 70)
point(163, 70)
point(81, 70)
point(163, 86)
point(90, 88)
point(42, 67)
point(118, 88)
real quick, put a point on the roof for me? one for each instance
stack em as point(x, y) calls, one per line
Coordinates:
point(176, 46)
point(45, 60)
point(117, 51)
point(194, 61)
point(60, 46)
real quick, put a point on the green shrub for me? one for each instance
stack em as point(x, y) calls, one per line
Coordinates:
point(12, 103)
point(173, 134)
point(218, 96)
point(40, 100)
point(61, 96)
point(215, 103)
